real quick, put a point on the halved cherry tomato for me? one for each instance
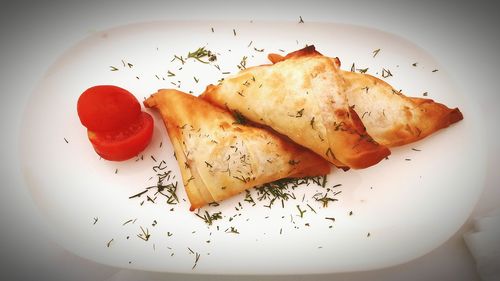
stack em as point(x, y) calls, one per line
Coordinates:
point(107, 108)
point(123, 144)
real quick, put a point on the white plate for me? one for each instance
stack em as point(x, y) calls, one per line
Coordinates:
point(409, 204)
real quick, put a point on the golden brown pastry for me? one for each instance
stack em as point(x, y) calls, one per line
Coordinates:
point(303, 97)
point(392, 118)
point(219, 157)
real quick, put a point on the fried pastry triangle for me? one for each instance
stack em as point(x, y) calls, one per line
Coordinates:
point(392, 118)
point(303, 97)
point(218, 157)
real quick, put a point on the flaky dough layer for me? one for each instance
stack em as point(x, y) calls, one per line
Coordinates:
point(218, 157)
point(392, 118)
point(302, 96)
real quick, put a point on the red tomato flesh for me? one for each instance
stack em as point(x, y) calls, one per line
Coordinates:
point(107, 108)
point(125, 143)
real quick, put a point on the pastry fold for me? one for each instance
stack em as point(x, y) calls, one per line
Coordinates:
point(219, 157)
point(303, 97)
point(392, 118)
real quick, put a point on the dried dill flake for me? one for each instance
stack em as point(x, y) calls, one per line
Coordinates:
point(282, 190)
point(109, 242)
point(168, 190)
point(240, 119)
point(386, 73)
point(197, 257)
point(324, 198)
point(209, 218)
point(232, 229)
point(201, 53)
point(144, 235)
point(243, 63)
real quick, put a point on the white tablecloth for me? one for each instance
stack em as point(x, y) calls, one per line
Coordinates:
point(483, 241)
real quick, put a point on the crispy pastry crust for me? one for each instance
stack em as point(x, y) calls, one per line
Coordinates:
point(218, 157)
point(303, 97)
point(392, 118)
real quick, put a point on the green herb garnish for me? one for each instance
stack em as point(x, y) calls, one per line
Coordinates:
point(180, 58)
point(240, 119)
point(138, 194)
point(301, 212)
point(243, 63)
point(248, 198)
point(197, 257)
point(386, 73)
point(324, 199)
point(311, 208)
point(109, 243)
point(232, 229)
point(330, 152)
point(209, 218)
point(144, 235)
point(299, 113)
point(202, 53)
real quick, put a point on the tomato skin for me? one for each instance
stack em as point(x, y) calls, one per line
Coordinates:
point(123, 144)
point(107, 108)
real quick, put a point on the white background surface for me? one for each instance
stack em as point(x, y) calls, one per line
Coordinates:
point(461, 36)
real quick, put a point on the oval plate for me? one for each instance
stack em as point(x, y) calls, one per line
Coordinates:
point(388, 214)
